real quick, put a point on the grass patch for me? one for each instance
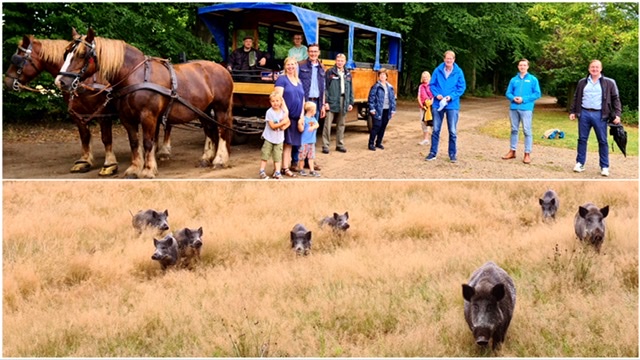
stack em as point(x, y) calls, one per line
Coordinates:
point(552, 119)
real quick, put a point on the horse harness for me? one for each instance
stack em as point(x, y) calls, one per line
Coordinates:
point(171, 93)
point(20, 62)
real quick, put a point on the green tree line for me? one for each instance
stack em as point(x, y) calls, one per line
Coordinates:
point(559, 39)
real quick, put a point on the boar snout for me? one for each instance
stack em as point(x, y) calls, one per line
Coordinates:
point(482, 335)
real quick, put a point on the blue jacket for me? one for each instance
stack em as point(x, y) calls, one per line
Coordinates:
point(305, 70)
point(454, 86)
point(376, 100)
point(527, 88)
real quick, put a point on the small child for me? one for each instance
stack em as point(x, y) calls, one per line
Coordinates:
point(273, 135)
point(425, 100)
point(308, 126)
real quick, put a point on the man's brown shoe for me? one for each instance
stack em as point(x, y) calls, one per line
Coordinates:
point(527, 158)
point(510, 155)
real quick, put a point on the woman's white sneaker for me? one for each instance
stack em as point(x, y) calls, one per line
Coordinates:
point(604, 172)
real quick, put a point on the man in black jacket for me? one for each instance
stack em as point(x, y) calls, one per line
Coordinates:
point(595, 101)
point(246, 58)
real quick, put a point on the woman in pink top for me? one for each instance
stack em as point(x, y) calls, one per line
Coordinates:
point(424, 93)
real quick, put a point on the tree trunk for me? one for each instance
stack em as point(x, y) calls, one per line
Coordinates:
point(473, 78)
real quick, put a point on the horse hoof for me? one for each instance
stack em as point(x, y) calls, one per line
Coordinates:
point(108, 170)
point(130, 176)
point(80, 166)
point(164, 157)
point(204, 164)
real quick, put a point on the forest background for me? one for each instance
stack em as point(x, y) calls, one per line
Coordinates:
point(559, 39)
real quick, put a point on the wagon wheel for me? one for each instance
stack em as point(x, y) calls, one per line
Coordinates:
point(239, 139)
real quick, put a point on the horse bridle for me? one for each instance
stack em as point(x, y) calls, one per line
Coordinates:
point(20, 62)
point(89, 58)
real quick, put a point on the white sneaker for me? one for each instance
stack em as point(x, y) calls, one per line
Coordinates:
point(424, 142)
point(604, 172)
point(578, 168)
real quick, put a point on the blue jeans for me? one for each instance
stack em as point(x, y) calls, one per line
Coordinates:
point(524, 117)
point(452, 126)
point(586, 121)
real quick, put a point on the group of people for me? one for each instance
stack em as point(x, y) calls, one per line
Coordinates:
point(596, 102)
point(304, 95)
point(307, 93)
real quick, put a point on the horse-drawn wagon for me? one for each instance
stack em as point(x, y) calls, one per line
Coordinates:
point(272, 25)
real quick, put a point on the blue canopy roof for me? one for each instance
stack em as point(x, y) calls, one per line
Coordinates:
point(289, 17)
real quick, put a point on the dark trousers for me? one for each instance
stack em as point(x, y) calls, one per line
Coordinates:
point(586, 121)
point(378, 129)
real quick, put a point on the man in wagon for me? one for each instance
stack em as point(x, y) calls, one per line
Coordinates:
point(245, 59)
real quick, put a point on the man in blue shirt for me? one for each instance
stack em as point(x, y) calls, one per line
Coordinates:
point(595, 101)
point(312, 76)
point(523, 91)
point(447, 85)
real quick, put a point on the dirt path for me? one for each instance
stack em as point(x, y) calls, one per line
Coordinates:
point(39, 153)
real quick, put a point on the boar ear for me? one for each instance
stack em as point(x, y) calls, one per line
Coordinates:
point(605, 211)
point(307, 236)
point(467, 292)
point(553, 201)
point(498, 292)
point(155, 242)
point(166, 212)
point(583, 211)
point(293, 236)
point(200, 231)
point(540, 201)
point(335, 216)
point(346, 214)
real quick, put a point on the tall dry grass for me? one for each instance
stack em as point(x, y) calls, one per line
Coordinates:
point(79, 282)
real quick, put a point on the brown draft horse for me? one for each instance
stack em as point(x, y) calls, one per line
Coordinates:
point(35, 56)
point(147, 88)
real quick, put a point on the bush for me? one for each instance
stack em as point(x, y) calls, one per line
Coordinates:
point(629, 116)
point(484, 91)
point(26, 106)
point(626, 76)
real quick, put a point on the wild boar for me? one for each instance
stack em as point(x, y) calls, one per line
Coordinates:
point(549, 203)
point(589, 224)
point(189, 246)
point(337, 222)
point(151, 219)
point(166, 251)
point(489, 301)
point(301, 239)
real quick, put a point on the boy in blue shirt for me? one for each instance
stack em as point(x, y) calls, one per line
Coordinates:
point(308, 147)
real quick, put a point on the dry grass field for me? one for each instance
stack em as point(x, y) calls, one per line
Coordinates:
point(79, 282)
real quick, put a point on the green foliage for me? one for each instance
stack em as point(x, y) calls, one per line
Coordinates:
point(626, 76)
point(559, 39)
point(157, 29)
point(576, 33)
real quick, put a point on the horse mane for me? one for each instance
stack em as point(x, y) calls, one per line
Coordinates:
point(51, 51)
point(110, 54)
